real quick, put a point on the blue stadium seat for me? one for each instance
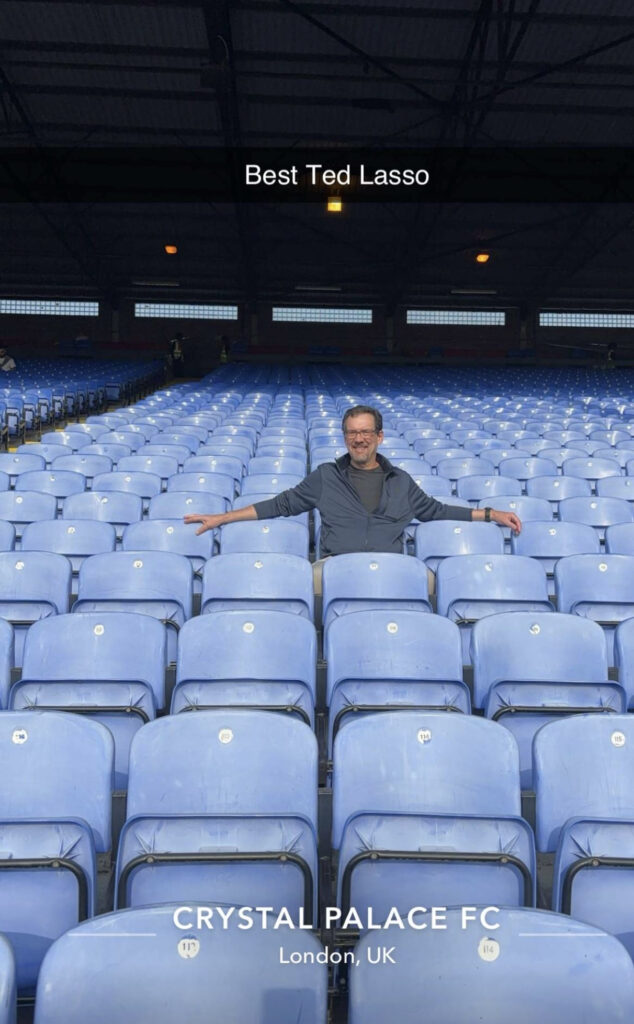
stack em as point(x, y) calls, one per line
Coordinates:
point(529, 668)
point(585, 812)
point(596, 512)
point(60, 483)
point(156, 583)
point(236, 452)
point(276, 465)
point(72, 441)
point(218, 484)
point(8, 992)
point(167, 535)
point(177, 437)
point(146, 485)
point(132, 439)
point(180, 452)
point(616, 487)
point(591, 469)
point(137, 965)
point(33, 586)
point(176, 504)
point(527, 468)
point(16, 463)
point(524, 507)
point(437, 450)
point(268, 535)
point(74, 538)
point(270, 581)
point(82, 462)
point(458, 466)
point(598, 587)
point(484, 487)
point(115, 507)
point(222, 801)
point(108, 666)
point(373, 580)
point(196, 430)
point(247, 658)
point(619, 539)
point(7, 659)
point(274, 483)
point(90, 431)
point(162, 465)
point(561, 455)
point(468, 587)
point(47, 451)
point(554, 489)
point(279, 448)
point(619, 455)
point(437, 486)
point(7, 535)
point(25, 507)
point(391, 660)
point(417, 814)
point(550, 541)
point(228, 465)
point(113, 451)
point(441, 538)
point(523, 968)
point(54, 817)
point(624, 658)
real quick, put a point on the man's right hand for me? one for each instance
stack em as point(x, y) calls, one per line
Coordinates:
point(208, 522)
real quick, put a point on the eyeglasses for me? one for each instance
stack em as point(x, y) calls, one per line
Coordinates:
point(365, 434)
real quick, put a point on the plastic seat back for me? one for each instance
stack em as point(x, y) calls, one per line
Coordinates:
point(447, 970)
point(262, 580)
point(372, 580)
point(127, 958)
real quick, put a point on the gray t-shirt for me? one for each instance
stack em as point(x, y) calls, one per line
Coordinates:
point(368, 483)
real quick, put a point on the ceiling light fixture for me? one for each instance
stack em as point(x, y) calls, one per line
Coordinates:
point(483, 257)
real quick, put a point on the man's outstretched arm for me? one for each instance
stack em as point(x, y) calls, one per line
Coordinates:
point(236, 515)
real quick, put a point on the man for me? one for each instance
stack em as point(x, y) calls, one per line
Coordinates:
point(6, 362)
point(177, 355)
point(364, 501)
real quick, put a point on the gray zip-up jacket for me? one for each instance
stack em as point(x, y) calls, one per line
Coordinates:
point(346, 526)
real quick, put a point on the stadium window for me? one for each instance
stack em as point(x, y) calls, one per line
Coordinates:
point(185, 311)
point(577, 319)
point(48, 307)
point(322, 315)
point(460, 317)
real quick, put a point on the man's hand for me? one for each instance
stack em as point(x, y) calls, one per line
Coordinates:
point(502, 519)
point(208, 522)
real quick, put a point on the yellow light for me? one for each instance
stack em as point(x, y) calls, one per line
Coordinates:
point(482, 257)
point(335, 204)
point(171, 250)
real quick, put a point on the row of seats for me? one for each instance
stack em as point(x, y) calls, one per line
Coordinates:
point(225, 802)
point(37, 584)
point(528, 667)
point(146, 965)
point(78, 538)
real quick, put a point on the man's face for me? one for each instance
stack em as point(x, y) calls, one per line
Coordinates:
point(362, 439)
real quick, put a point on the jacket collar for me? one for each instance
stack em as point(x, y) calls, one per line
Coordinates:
point(343, 462)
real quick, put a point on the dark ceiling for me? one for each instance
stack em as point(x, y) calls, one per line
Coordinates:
point(296, 73)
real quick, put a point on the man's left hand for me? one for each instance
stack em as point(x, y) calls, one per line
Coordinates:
point(506, 519)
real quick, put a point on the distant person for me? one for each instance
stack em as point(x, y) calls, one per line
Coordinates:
point(611, 355)
point(225, 349)
point(177, 355)
point(7, 363)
